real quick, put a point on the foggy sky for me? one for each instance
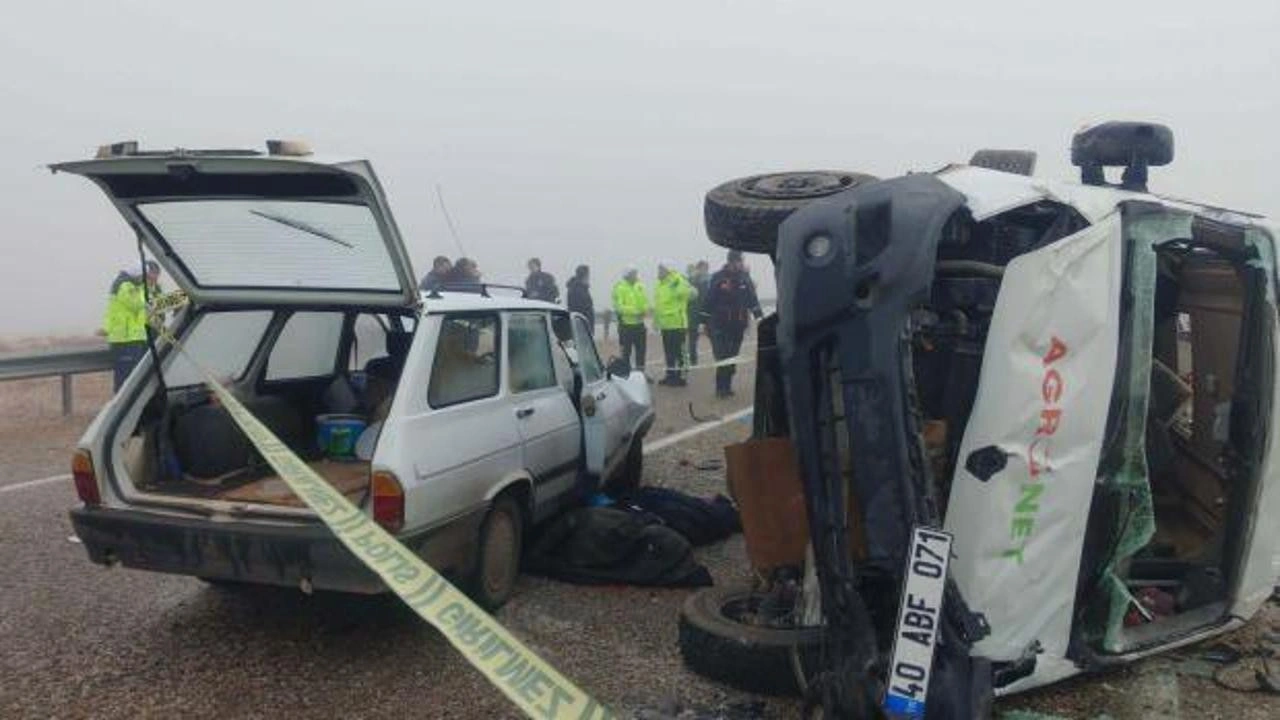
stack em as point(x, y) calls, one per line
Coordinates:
point(590, 131)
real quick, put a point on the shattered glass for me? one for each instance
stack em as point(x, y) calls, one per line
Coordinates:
point(1129, 485)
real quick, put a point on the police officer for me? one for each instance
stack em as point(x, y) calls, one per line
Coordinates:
point(125, 321)
point(727, 308)
point(630, 303)
point(671, 316)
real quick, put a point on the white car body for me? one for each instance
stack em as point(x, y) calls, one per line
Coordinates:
point(268, 239)
point(1050, 361)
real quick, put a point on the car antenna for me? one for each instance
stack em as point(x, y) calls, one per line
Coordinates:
point(449, 221)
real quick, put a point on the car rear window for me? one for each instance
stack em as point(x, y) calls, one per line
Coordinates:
point(285, 244)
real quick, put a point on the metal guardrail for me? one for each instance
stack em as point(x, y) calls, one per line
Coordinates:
point(65, 362)
point(61, 362)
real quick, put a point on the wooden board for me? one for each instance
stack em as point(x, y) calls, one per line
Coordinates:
point(350, 478)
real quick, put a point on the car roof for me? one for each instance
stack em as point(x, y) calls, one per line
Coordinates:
point(991, 192)
point(440, 302)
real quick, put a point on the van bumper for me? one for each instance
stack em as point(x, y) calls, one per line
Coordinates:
point(285, 555)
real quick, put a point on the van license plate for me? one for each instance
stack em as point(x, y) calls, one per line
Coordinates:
point(919, 617)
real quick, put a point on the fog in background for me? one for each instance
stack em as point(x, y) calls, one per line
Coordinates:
point(590, 131)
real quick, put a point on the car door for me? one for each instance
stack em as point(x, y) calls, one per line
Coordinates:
point(456, 430)
point(603, 408)
point(544, 411)
point(244, 229)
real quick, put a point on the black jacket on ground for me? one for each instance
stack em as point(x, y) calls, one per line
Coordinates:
point(730, 300)
point(541, 286)
point(578, 298)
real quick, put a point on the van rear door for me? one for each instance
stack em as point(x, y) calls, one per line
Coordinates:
point(253, 230)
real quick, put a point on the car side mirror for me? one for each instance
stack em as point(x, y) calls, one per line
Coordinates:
point(619, 367)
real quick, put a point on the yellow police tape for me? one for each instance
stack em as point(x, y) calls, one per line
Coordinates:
point(533, 685)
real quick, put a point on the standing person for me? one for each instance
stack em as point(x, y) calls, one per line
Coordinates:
point(540, 285)
point(731, 297)
point(700, 279)
point(125, 321)
point(671, 316)
point(631, 302)
point(578, 295)
point(464, 272)
point(440, 269)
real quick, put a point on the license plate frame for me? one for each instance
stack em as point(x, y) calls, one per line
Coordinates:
point(919, 619)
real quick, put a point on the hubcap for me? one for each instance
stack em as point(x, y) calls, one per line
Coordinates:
point(795, 186)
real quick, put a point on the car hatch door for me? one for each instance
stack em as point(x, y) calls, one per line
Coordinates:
point(248, 229)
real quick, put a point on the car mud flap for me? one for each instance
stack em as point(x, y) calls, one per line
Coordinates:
point(851, 268)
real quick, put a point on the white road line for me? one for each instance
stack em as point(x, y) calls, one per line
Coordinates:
point(649, 447)
point(673, 438)
point(34, 483)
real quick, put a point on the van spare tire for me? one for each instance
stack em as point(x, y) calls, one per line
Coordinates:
point(744, 214)
point(721, 638)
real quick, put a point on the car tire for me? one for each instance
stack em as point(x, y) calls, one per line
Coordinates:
point(716, 643)
point(744, 214)
point(497, 562)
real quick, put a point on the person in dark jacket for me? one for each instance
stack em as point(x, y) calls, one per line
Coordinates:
point(700, 278)
point(578, 295)
point(464, 272)
point(440, 269)
point(540, 285)
point(727, 308)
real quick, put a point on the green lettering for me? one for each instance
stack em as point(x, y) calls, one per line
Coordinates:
point(1021, 527)
point(1029, 501)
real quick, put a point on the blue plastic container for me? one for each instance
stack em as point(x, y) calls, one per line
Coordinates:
point(336, 435)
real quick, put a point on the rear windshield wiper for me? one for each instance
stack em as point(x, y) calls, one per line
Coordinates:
point(304, 227)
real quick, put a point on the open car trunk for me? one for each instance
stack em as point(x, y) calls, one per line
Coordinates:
point(290, 368)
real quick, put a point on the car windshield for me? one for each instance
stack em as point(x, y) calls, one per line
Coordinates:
point(275, 243)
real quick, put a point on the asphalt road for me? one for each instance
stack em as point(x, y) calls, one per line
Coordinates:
point(78, 640)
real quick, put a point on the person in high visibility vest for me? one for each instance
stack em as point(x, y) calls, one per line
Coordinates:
point(125, 322)
point(671, 316)
point(631, 303)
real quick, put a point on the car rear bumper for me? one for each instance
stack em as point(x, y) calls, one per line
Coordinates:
point(239, 551)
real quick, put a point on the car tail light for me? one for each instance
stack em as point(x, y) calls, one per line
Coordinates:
point(388, 501)
point(86, 479)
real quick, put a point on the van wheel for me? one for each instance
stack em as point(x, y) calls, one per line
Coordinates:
point(498, 557)
point(722, 638)
point(744, 214)
point(630, 474)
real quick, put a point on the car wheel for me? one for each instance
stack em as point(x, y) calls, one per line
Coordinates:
point(630, 474)
point(744, 214)
point(720, 639)
point(498, 556)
